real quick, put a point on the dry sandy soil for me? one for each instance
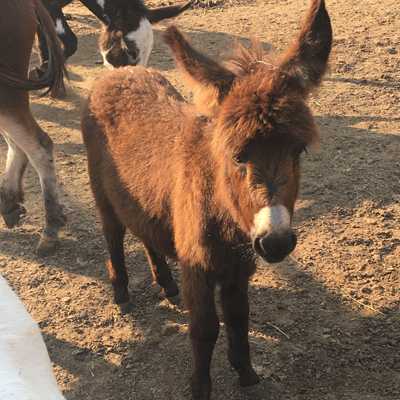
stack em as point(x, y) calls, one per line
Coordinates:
point(325, 324)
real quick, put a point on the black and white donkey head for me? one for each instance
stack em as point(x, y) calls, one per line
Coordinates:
point(127, 38)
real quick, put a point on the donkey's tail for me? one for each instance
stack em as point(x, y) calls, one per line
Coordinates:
point(158, 14)
point(53, 77)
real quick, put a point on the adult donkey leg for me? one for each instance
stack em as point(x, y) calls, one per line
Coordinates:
point(38, 147)
point(11, 192)
point(235, 305)
point(198, 289)
point(161, 272)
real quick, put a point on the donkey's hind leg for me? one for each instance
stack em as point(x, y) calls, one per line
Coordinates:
point(161, 272)
point(11, 192)
point(114, 233)
point(38, 147)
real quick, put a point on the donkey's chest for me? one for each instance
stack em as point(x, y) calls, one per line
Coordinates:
point(231, 255)
point(159, 235)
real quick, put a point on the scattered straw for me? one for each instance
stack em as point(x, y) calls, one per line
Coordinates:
point(279, 330)
point(366, 305)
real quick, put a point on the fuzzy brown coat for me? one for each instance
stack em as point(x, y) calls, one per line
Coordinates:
point(202, 183)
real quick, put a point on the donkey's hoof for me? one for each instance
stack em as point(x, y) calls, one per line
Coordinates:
point(201, 389)
point(248, 378)
point(125, 308)
point(171, 290)
point(58, 93)
point(47, 246)
point(121, 296)
point(174, 300)
point(13, 217)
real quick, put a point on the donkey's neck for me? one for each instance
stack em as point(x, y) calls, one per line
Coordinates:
point(211, 167)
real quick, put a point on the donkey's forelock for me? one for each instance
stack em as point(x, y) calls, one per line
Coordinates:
point(256, 108)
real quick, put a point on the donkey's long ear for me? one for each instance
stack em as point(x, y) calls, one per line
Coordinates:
point(209, 80)
point(306, 61)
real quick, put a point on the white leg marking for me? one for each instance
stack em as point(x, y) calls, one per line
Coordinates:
point(41, 158)
point(24, 136)
point(60, 27)
point(101, 3)
point(15, 165)
point(105, 61)
point(143, 38)
point(271, 219)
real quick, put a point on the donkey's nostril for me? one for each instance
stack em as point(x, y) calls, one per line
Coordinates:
point(264, 244)
point(275, 246)
point(257, 245)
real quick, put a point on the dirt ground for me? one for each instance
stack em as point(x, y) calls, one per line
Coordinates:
point(325, 324)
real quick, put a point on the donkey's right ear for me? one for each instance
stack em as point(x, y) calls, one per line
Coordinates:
point(306, 60)
point(210, 80)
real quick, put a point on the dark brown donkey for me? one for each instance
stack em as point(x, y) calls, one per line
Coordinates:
point(205, 184)
point(27, 142)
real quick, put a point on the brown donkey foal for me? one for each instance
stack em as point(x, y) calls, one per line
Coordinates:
point(206, 184)
point(26, 141)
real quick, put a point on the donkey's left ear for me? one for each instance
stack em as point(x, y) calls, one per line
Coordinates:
point(209, 79)
point(306, 61)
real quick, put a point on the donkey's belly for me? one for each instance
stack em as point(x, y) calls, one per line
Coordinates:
point(153, 231)
point(156, 236)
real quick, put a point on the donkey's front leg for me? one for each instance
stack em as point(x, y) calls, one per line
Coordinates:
point(235, 305)
point(198, 289)
point(11, 192)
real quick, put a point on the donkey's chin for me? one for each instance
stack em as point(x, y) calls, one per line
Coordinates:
point(269, 258)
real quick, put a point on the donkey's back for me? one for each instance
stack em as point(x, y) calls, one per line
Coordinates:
point(131, 126)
